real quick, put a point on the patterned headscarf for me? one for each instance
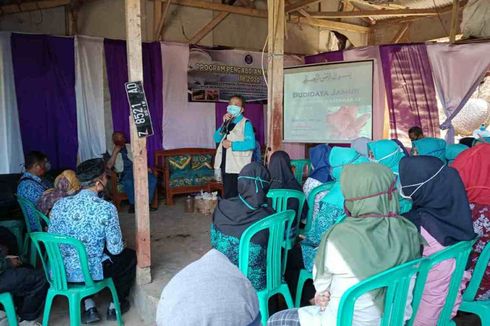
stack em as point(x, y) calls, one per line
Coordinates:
point(65, 184)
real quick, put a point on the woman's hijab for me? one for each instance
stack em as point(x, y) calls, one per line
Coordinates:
point(233, 216)
point(338, 159)
point(453, 150)
point(407, 153)
point(440, 204)
point(281, 172)
point(319, 161)
point(65, 184)
point(473, 166)
point(468, 141)
point(431, 147)
point(386, 152)
point(360, 145)
point(383, 239)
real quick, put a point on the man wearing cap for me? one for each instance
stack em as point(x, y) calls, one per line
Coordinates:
point(95, 222)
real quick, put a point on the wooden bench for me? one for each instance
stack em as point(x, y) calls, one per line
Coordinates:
point(162, 169)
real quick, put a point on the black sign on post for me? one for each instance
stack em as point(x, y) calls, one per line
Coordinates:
point(139, 108)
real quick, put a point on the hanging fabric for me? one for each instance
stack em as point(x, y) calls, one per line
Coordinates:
point(89, 87)
point(44, 73)
point(10, 140)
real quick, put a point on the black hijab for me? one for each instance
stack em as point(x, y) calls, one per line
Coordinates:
point(233, 216)
point(281, 173)
point(440, 205)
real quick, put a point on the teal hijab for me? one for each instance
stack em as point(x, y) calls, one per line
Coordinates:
point(338, 159)
point(431, 147)
point(453, 150)
point(387, 152)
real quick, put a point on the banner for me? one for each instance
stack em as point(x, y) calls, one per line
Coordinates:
point(216, 75)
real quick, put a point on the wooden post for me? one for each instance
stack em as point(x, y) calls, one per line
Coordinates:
point(275, 73)
point(138, 146)
point(454, 21)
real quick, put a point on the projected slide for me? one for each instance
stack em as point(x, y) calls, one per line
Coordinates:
point(328, 103)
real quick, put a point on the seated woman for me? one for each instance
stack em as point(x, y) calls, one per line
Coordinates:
point(320, 174)
point(453, 151)
point(331, 210)
point(474, 169)
point(233, 216)
point(209, 291)
point(66, 184)
point(389, 153)
point(371, 239)
point(441, 212)
point(431, 147)
point(282, 177)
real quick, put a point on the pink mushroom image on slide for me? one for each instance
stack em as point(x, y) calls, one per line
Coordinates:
point(345, 123)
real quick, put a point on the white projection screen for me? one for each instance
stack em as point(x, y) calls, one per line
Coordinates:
point(328, 103)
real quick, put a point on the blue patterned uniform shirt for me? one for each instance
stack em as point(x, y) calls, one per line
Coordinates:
point(91, 220)
point(31, 188)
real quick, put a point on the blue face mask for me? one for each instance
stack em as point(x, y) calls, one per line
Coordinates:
point(234, 110)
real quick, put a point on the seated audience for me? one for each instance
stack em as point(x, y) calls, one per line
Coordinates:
point(331, 211)
point(233, 216)
point(66, 184)
point(95, 222)
point(320, 174)
point(389, 153)
point(415, 133)
point(31, 186)
point(210, 291)
point(442, 214)
point(429, 146)
point(282, 177)
point(360, 145)
point(453, 151)
point(371, 239)
point(27, 286)
point(473, 166)
point(122, 162)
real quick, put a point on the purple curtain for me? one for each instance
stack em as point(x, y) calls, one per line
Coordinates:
point(117, 75)
point(44, 73)
point(325, 57)
point(410, 90)
point(253, 112)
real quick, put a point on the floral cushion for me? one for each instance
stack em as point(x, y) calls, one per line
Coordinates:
point(179, 163)
point(202, 161)
point(190, 179)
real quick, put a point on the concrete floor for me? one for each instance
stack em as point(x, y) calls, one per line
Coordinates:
point(177, 239)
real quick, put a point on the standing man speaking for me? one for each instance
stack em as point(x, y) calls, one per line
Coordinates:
point(236, 143)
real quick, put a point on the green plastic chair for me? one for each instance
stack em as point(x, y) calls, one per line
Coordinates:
point(299, 169)
point(311, 203)
point(17, 228)
point(469, 304)
point(304, 275)
point(8, 305)
point(395, 281)
point(275, 224)
point(459, 252)
point(26, 206)
point(56, 275)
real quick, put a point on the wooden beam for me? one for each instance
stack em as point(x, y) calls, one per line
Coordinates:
point(331, 25)
point(161, 23)
point(31, 6)
point(157, 16)
point(138, 146)
point(275, 74)
point(299, 5)
point(219, 7)
point(454, 21)
point(374, 13)
point(401, 32)
point(208, 27)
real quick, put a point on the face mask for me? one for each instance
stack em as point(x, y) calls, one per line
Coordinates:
point(418, 185)
point(390, 191)
point(234, 110)
point(385, 157)
point(482, 127)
